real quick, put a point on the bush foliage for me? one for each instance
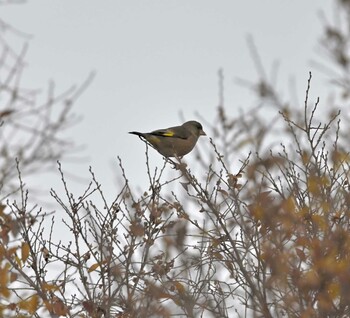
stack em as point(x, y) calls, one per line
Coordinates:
point(257, 226)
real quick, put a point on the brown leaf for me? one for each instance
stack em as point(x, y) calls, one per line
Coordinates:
point(13, 277)
point(301, 254)
point(50, 287)
point(6, 112)
point(223, 192)
point(136, 229)
point(25, 251)
point(58, 307)
point(185, 185)
point(46, 254)
point(11, 306)
point(89, 306)
point(180, 287)
point(30, 304)
point(93, 267)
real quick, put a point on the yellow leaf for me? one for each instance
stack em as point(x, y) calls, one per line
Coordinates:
point(30, 304)
point(305, 157)
point(11, 251)
point(2, 250)
point(289, 204)
point(50, 287)
point(3, 277)
point(217, 255)
point(310, 280)
point(215, 242)
point(313, 185)
point(18, 261)
point(5, 292)
point(334, 290)
point(230, 267)
point(94, 266)
point(180, 287)
point(319, 221)
point(2, 208)
point(25, 251)
point(13, 277)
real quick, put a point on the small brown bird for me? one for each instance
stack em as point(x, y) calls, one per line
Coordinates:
point(174, 141)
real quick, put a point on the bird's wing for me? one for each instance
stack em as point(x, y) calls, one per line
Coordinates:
point(171, 132)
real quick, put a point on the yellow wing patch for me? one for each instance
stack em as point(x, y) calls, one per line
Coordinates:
point(168, 134)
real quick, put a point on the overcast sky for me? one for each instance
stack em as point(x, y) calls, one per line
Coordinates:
point(156, 58)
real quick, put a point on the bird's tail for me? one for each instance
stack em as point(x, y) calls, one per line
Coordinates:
point(136, 133)
point(143, 137)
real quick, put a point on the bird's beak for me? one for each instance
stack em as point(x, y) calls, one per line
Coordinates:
point(202, 133)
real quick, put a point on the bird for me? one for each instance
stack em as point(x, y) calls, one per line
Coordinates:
point(173, 141)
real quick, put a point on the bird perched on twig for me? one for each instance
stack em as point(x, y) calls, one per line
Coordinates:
point(173, 141)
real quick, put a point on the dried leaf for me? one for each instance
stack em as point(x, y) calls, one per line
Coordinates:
point(2, 208)
point(301, 254)
point(93, 267)
point(180, 287)
point(18, 261)
point(137, 229)
point(50, 287)
point(89, 306)
point(46, 254)
point(185, 185)
point(223, 192)
point(58, 307)
point(11, 306)
point(30, 305)
point(13, 277)
point(25, 251)
point(6, 112)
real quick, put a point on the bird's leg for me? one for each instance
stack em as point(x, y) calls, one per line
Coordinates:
point(170, 161)
point(179, 165)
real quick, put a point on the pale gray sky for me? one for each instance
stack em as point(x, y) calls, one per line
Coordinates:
point(156, 58)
